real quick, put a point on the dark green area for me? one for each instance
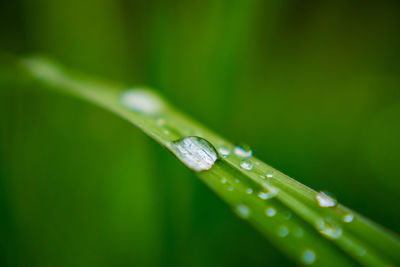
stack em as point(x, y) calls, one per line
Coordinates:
point(313, 87)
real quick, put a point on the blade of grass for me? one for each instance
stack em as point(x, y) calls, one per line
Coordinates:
point(285, 211)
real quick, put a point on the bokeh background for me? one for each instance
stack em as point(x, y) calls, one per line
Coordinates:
point(312, 86)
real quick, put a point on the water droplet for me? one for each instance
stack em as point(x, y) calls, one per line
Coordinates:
point(270, 212)
point(142, 101)
point(308, 256)
point(249, 191)
point(264, 195)
point(324, 200)
point(283, 231)
point(237, 180)
point(160, 122)
point(361, 252)
point(243, 152)
point(329, 230)
point(243, 211)
point(230, 188)
point(288, 215)
point(269, 175)
point(247, 165)
point(298, 232)
point(223, 180)
point(224, 151)
point(348, 218)
point(195, 152)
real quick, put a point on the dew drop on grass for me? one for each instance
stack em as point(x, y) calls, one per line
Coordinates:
point(249, 191)
point(142, 101)
point(247, 165)
point(223, 180)
point(348, 218)
point(324, 200)
point(224, 151)
point(230, 188)
point(329, 230)
point(243, 152)
point(270, 212)
point(308, 256)
point(283, 231)
point(264, 195)
point(195, 152)
point(243, 211)
point(270, 175)
point(298, 232)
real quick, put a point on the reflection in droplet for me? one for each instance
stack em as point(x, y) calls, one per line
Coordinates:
point(142, 101)
point(243, 152)
point(195, 152)
point(324, 200)
point(308, 256)
point(243, 211)
point(247, 165)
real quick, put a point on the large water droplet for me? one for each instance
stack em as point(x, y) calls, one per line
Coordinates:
point(243, 151)
point(329, 230)
point(247, 165)
point(142, 101)
point(243, 211)
point(324, 200)
point(308, 256)
point(195, 152)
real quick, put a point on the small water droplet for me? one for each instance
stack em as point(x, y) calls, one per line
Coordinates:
point(246, 164)
point(264, 195)
point(230, 188)
point(243, 152)
point(243, 211)
point(324, 200)
point(160, 122)
point(223, 180)
point(298, 232)
point(348, 218)
point(269, 175)
point(195, 152)
point(283, 231)
point(237, 180)
point(249, 191)
point(329, 230)
point(224, 151)
point(361, 252)
point(270, 212)
point(142, 101)
point(308, 256)
point(288, 215)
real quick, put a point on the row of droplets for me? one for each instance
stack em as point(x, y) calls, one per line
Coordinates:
point(199, 155)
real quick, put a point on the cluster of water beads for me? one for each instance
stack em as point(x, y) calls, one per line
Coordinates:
point(195, 152)
point(142, 101)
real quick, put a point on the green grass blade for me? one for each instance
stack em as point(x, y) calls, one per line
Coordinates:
point(285, 211)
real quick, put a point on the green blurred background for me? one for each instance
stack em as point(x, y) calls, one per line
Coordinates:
point(313, 86)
